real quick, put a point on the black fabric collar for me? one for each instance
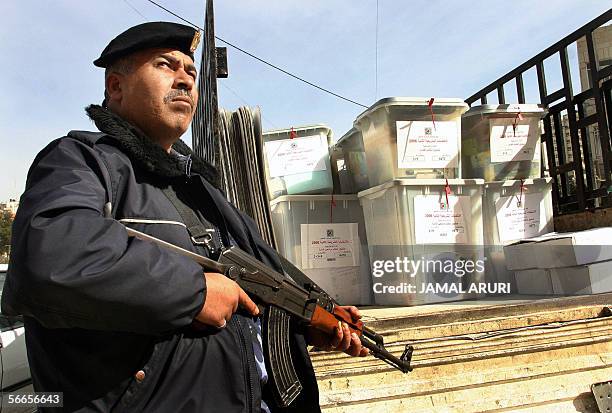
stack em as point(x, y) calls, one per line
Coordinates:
point(144, 152)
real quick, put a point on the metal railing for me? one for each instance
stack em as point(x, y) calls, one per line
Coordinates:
point(577, 186)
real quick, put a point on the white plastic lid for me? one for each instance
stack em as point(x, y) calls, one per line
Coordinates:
point(527, 109)
point(308, 198)
point(413, 101)
point(298, 129)
point(526, 182)
point(421, 182)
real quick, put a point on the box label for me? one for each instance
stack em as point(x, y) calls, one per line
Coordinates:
point(437, 223)
point(330, 245)
point(511, 142)
point(519, 216)
point(294, 156)
point(421, 145)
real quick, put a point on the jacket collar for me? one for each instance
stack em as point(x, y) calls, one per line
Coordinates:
point(147, 154)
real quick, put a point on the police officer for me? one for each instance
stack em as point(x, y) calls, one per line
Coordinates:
point(116, 323)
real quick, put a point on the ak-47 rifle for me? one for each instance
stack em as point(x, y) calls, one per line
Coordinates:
point(279, 299)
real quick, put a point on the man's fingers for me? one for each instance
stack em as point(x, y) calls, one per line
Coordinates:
point(346, 338)
point(355, 349)
point(245, 302)
point(354, 312)
point(337, 338)
point(364, 352)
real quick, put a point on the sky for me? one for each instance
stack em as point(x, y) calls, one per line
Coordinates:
point(425, 48)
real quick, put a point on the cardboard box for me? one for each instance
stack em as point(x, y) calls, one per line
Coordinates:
point(534, 281)
point(585, 279)
point(523, 254)
point(575, 248)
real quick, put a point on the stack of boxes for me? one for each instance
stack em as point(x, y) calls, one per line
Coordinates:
point(321, 233)
point(419, 202)
point(501, 144)
point(422, 219)
point(569, 263)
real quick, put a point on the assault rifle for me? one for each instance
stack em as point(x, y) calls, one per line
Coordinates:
point(280, 299)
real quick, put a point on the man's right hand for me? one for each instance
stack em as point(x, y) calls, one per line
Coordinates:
point(223, 297)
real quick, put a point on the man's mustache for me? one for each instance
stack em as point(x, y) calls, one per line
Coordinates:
point(174, 93)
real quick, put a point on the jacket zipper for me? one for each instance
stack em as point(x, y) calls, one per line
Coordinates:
point(245, 354)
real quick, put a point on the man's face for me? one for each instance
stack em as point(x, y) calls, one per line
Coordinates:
point(159, 94)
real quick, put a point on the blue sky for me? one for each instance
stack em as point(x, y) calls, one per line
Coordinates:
point(425, 48)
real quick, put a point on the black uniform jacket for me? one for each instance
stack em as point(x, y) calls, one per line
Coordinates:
point(100, 307)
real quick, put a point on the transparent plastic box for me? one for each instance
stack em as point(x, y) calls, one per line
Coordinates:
point(409, 219)
point(325, 237)
point(351, 144)
point(511, 213)
point(298, 165)
point(496, 144)
point(343, 182)
point(406, 138)
point(514, 210)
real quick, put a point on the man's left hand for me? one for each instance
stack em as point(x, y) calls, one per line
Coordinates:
point(343, 339)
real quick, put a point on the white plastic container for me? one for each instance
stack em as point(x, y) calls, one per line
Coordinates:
point(298, 165)
point(351, 144)
point(515, 209)
point(408, 219)
point(501, 142)
point(343, 182)
point(406, 138)
point(326, 239)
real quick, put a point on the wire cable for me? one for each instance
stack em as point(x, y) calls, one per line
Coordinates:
point(376, 74)
point(260, 59)
point(135, 9)
point(245, 102)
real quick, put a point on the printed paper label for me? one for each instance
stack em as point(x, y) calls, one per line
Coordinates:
point(330, 245)
point(294, 156)
point(519, 216)
point(437, 223)
point(421, 145)
point(509, 143)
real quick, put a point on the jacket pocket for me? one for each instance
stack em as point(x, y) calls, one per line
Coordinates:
point(143, 380)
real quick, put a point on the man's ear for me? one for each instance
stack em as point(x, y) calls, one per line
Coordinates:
point(114, 82)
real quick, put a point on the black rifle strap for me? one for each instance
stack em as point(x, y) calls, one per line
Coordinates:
point(201, 232)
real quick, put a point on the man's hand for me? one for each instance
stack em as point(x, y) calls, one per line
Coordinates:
point(223, 296)
point(343, 339)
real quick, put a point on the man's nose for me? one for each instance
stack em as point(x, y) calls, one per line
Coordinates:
point(183, 80)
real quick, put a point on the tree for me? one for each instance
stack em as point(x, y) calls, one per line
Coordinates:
point(6, 222)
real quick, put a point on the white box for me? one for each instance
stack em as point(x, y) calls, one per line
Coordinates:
point(584, 279)
point(499, 144)
point(534, 281)
point(405, 137)
point(522, 254)
point(298, 161)
point(351, 144)
point(326, 238)
point(405, 218)
point(575, 248)
point(515, 210)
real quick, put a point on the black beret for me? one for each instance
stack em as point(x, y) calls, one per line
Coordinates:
point(149, 35)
